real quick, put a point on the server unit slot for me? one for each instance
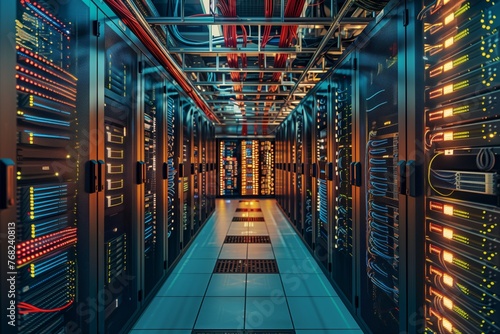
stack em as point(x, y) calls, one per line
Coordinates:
point(471, 109)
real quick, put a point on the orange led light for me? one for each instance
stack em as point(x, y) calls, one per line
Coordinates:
point(447, 256)
point(448, 136)
point(448, 210)
point(448, 112)
point(448, 89)
point(449, 42)
point(449, 18)
point(448, 303)
point(448, 233)
point(447, 325)
point(448, 66)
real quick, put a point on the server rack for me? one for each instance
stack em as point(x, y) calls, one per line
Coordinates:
point(381, 129)
point(44, 223)
point(195, 171)
point(155, 176)
point(343, 240)
point(228, 168)
point(308, 170)
point(184, 185)
point(322, 173)
point(173, 217)
point(461, 206)
point(266, 168)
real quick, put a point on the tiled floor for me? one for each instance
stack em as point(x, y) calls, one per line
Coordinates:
point(299, 298)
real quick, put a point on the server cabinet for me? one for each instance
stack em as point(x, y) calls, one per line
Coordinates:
point(278, 157)
point(298, 117)
point(195, 171)
point(212, 175)
point(266, 168)
point(462, 206)
point(204, 191)
point(8, 208)
point(308, 170)
point(173, 219)
point(342, 246)
point(184, 149)
point(228, 168)
point(382, 225)
point(120, 168)
point(44, 223)
point(321, 173)
point(154, 177)
point(249, 168)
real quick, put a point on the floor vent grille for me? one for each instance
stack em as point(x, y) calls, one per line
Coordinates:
point(248, 210)
point(248, 219)
point(247, 239)
point(250, 266)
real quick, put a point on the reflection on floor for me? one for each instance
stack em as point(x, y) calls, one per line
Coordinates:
point(299, 299)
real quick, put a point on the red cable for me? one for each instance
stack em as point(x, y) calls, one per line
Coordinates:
point(25, 308)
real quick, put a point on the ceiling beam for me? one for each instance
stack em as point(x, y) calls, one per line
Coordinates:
point(255, 21)
point(248, 70)
point(249, 51)
point(252, 83)
point(233, 93)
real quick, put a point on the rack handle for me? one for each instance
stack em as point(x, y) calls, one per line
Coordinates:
point(402, 177)
point(7, 181)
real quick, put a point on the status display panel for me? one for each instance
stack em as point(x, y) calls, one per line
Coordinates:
point(462, 204)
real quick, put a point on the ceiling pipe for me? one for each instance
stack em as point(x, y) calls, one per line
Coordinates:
point(169, 62)
point(331, 31)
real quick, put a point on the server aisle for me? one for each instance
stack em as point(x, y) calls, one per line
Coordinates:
point(247, 270)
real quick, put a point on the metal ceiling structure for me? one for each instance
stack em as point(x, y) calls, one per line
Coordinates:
point(248, 63)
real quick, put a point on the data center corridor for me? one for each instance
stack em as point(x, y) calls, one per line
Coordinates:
point(197, 298)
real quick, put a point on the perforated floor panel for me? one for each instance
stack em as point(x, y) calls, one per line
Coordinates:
point(247, 239)
point(262, 266)
point(230, 266)
point(248, 210)
point(249, 266)
point(248, 219)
